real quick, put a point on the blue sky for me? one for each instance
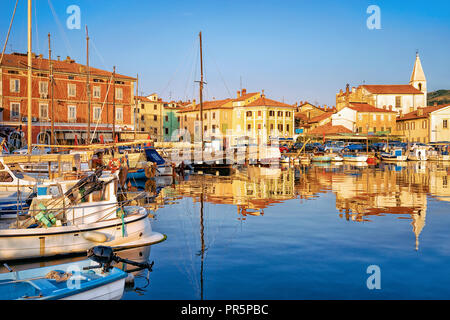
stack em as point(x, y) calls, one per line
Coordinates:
point(294, 50)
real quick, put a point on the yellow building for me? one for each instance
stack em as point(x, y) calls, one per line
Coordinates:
point(250, 116)
point(417, 126)
point(149, 116)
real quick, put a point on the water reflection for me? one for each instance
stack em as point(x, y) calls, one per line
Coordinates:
point(362, 192)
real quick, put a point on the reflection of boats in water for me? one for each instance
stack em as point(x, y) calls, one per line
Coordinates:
point(255, 172)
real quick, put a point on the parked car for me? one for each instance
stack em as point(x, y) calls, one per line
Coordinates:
point(335, 146)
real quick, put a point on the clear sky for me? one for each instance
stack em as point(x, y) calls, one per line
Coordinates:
point(294, 50)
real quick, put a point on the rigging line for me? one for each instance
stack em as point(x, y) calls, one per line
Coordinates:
point(61, 29)
point(98, 53)
point(176, 71)
point(103, 105)
point(9, 30)
point(221, 77)
point(190, 69)
point(36, 28)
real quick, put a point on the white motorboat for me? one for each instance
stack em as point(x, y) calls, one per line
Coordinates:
point(418, 153)
point(395, 155)
point(70, 217)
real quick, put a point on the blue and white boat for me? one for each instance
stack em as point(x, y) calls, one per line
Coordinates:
point(67, 281)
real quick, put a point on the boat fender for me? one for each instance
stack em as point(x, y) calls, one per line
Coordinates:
point(129, 281)
point(95, 236)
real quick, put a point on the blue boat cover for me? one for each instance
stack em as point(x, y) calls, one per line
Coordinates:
point(153, 156)
point(354, 147)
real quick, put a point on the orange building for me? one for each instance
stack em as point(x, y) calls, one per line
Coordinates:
point(70, 100)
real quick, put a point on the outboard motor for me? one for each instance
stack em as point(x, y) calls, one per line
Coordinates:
point(105, 256)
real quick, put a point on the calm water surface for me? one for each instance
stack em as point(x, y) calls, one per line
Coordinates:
point(298, 233)
point(303, 233)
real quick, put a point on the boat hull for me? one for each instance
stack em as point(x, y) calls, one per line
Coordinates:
point(321, 159)
point(16, 244)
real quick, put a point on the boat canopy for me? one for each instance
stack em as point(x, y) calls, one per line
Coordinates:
point(154, 156)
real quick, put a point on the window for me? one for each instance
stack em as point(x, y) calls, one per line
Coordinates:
point(213, 115)
point(287, 128)
point(259, 113)
point(249, 114)
point(259, 126)
point(444, 124)
point(97, 113)
point(249, 127)
point(280, 127)
point(178, 119)
point(96, 92)
point(119, 114)
point(382, 118)
point(155, 117)
point(288, 114)
point(43, 87)
point(155, 130)
point(185, 117)
point(43, 111)
point(166, 130)
point(71, 90)
point(155, 107)
point(271, 113)
point(15, 110)
point(119, 94)
point(280, 113)
point(167, 118)
point(214, 128)
point(14, 85)
point(398, 101)
point(197, 116)
point(72, 112)
point(271, 127)
point(205, 116)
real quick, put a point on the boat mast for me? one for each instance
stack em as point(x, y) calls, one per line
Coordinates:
point(114, 105)
point(201, 90)
point(29, 86)
point(137, 107)
point(88, 138)
point(52, 111)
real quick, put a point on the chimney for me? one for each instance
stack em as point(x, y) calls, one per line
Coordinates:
point(41, 56)
point(238, 94)
point(59, 58)
point(262, 94)
point(347, 87)
point(244, 92)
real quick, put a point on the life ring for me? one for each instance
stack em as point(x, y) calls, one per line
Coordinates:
point(114, 165)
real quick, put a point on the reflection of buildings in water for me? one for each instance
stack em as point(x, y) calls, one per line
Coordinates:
point(251, 191)
point(380, 192)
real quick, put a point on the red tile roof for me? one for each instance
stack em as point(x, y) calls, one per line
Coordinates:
point(425, 113)
point(207, 105)
point(392, 89)
point(263, 101)
point(21, 61)
point(321, 117)
point(246, 96)
point(330, 129)
point(365, 107)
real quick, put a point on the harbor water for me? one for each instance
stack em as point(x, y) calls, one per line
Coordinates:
point(304, 232)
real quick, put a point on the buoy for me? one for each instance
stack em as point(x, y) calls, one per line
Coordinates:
point(129, 281)
point(95, 236)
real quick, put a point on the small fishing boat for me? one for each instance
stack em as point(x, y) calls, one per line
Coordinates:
point(68, 217)
point(320, 158)
point(90, 279)
point(355, 157)
point(395, 155)
point(336, 158)
point(439, 151)
point(67, 281)
point(418, 153)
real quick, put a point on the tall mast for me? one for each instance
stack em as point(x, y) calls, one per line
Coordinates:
point(137, 107)
point(52, 111)
point(88, 88)
point(29, 87)
point(201, 90)
point(114, 104)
